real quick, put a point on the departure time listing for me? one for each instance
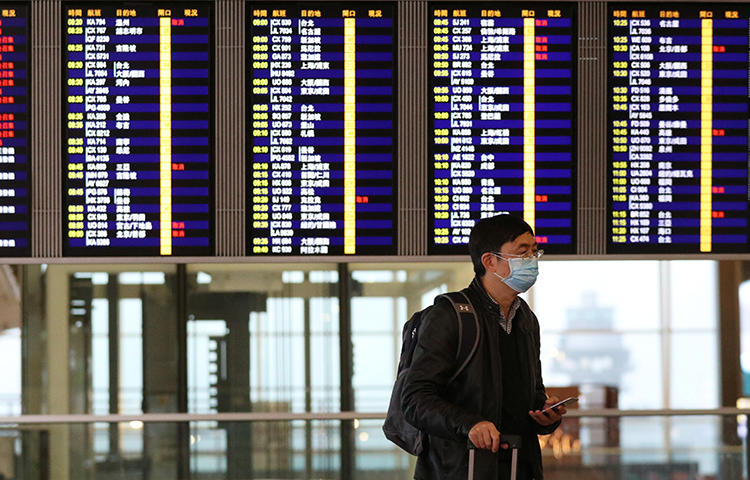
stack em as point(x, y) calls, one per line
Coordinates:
point(138, 129)
point(322, 129)
point(678, 124)
point(502, 138)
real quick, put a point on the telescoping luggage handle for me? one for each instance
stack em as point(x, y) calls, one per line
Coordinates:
point(513, 442)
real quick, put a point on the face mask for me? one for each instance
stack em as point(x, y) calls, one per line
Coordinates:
point(523, 273)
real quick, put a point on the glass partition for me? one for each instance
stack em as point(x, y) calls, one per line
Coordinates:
point(10, 339)
point(263, 338)
point(98, 339)
point(222, 338)
point(574, 452)
point(642, 327)
point(384, 296)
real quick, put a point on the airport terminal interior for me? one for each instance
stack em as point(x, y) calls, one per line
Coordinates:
point(216, 217)
point(211, 339)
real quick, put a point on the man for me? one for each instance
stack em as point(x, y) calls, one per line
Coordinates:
point(501, 389)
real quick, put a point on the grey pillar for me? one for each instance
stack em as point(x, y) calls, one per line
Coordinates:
point(730, 277)
point(347, 373)
point(35, 445)
point(161, 382)
point(82, 465)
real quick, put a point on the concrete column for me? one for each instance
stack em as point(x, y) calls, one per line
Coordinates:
point(730, 278)
point(58, 376)
point(160, 381)
point(33, 389)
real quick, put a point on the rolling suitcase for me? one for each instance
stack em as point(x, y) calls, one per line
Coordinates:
point(513, 442)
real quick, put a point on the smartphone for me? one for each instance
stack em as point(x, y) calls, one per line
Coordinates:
point(565, 403)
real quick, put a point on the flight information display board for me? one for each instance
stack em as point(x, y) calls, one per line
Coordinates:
point(138, 129)
point(502, 79)
point(15, 210)
point(321, 125)
point(678, 128)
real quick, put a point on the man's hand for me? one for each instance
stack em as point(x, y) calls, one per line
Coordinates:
point(548, 416)
point(486, 436)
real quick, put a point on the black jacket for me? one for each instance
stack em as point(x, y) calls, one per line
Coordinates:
point(446, 412)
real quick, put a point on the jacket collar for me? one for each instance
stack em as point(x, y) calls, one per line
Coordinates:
point(488, 304)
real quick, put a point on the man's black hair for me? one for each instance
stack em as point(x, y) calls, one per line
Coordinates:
point(491, 233)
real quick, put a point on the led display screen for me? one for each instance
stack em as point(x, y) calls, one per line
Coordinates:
point(678, 128)
point(137, 129)
point(501, 112)
point(15, 210)
point(321, 124)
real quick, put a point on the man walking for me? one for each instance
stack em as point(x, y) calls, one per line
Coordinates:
point(501, 390)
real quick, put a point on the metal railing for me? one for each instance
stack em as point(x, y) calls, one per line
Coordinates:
point(612, 444)
point(286, 416)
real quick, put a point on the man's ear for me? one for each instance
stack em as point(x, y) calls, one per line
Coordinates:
point(488, 260)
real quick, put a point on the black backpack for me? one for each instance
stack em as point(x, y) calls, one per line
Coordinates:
point(396, 428)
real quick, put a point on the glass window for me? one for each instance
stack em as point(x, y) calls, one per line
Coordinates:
point(264, 338)
point(627, 361)
point(627, 324)
point(605, 295)
point(694, 355)
point(693, 298)
point(89, 309)
point(745, 336)
point(374, 320)
point(10, 356)
point(325, 361)
point(131, 354)
point(100, 352)
point(386, 296)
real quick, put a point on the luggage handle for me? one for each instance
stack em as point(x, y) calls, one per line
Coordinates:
point(512, 441)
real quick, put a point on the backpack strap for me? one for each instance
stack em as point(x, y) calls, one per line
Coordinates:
point(468, 329)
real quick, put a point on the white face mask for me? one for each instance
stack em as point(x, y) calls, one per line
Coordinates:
point(523, 273)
